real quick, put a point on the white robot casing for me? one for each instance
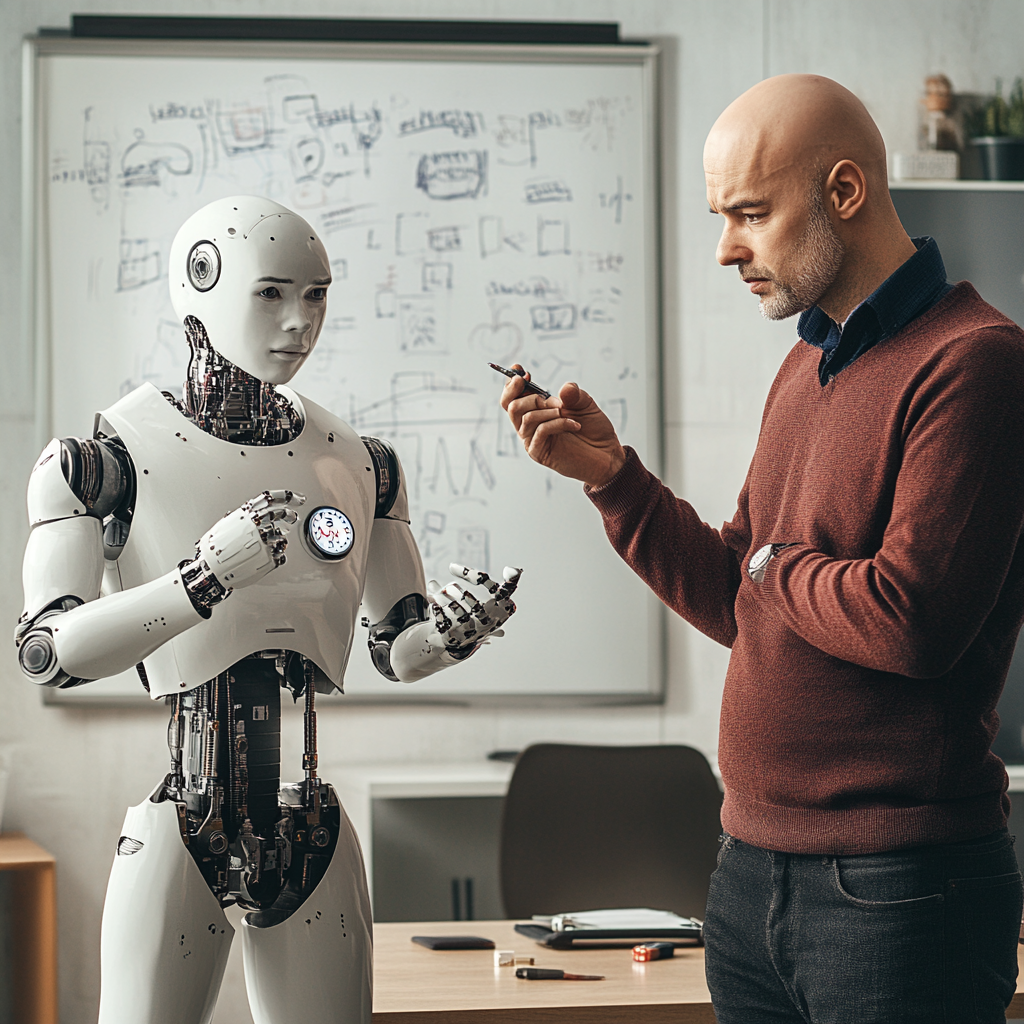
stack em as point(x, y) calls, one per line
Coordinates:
point(307, 605)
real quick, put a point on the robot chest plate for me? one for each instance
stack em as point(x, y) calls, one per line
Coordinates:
point(187, 480)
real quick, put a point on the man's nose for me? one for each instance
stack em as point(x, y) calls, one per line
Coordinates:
point(731, 250)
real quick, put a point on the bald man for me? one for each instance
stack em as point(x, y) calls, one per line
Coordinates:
point(870, 586)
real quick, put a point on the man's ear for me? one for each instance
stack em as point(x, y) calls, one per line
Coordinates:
point(846, 189)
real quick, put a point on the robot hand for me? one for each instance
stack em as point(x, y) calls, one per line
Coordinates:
point(248, 543)
point(463, 622)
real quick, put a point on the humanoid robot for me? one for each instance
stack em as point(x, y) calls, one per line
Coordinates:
point(115, 577)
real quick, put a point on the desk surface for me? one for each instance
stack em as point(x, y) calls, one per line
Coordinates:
point(17, 851)
point(415, 985)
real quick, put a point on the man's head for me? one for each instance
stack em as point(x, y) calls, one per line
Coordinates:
point(255, 275)
point(796, 167)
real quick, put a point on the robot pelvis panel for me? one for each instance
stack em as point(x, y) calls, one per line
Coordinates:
point(165, 940)
point(317, 965)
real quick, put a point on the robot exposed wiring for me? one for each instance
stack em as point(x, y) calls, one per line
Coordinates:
point(266, 598)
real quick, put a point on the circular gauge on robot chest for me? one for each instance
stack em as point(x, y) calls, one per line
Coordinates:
point(330, 532)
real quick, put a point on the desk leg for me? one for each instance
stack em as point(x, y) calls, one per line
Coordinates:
point(34, 935)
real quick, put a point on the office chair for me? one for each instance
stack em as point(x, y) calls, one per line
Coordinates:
point(587, 828)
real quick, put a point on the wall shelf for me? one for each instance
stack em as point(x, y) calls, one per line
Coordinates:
point(957, 185)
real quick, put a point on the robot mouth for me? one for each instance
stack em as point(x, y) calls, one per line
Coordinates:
point(289, 352)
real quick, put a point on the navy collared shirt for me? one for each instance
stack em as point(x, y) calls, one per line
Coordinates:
point(912, 289)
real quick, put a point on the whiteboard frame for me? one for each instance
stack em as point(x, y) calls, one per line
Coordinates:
point(36, 295)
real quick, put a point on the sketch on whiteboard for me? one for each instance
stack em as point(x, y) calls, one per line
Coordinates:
point(499, 340)
point(549, 190)
point(461, 175)
point(463, 123)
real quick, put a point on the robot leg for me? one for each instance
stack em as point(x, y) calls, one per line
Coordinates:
point(316, 966)
point(164, 941)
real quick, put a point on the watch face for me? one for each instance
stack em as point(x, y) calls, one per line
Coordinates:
point(760, 558)
point(330, 532)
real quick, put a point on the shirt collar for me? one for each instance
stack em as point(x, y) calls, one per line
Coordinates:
point(912, 289)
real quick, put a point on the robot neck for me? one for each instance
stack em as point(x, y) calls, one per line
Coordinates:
point(225, 401)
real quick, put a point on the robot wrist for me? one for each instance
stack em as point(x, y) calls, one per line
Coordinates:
point(203, 588)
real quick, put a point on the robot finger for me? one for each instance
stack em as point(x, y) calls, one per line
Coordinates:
point(275, 514)
point(468, 601)
point(475, 576)
point(285, 497)
point(511, 576)
point(443, 623)
point(461, 602)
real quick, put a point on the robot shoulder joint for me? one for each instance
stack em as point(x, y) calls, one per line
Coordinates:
point(81, 477)
point(388, 474)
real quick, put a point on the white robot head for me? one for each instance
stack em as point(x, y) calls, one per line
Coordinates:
point(255, 275)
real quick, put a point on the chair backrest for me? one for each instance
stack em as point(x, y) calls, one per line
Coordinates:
point(588, 828)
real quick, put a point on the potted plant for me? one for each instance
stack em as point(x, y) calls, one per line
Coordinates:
point(997, 130)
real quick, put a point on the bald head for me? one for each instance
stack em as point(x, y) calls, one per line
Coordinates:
point(791, 124)
point(797, 167)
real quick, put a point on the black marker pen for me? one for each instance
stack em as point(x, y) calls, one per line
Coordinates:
point(530, 389)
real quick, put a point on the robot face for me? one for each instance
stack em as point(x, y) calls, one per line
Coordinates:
point(256, 276)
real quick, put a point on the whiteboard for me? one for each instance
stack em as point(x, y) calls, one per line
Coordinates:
point(478, 204)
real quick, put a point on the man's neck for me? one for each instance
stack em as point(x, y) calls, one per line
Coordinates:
point(863, 271)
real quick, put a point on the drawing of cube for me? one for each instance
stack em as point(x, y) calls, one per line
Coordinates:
point(437, 277)
point(137, 265)
point(444, 239)
point(461, 175)
point(417, 325)
point(552, 237)
point(242, 131)
point(552, 319)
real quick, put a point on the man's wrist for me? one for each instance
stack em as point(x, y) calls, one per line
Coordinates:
point(616, 462)
point(762, 558)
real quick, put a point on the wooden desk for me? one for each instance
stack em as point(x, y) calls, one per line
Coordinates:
point(415, 985)
point(33, 894)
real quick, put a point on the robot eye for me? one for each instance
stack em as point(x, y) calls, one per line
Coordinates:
point(316, 294)
point(203, 266)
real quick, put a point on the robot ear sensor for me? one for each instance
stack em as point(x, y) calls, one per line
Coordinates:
point(203, 266)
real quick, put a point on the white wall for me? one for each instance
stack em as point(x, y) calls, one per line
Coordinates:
point(76, 769)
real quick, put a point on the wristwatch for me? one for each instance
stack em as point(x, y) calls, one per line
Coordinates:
point(758, 563)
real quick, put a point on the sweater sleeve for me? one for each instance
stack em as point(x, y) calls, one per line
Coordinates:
point(958, 506)
point(688, 564)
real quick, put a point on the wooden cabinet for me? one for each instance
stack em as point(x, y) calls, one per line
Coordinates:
point(29, 883)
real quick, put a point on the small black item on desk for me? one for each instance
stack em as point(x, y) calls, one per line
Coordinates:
point(453, 941)
point(647, 951)
point(546, 974)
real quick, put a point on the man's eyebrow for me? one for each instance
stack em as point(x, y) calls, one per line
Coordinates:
point(742, 204)
point(276, 280)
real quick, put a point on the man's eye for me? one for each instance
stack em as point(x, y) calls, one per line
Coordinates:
point(753, 218)
point(270, 292)
point(316, 294)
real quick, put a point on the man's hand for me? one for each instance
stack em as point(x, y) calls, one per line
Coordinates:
point(567, 432)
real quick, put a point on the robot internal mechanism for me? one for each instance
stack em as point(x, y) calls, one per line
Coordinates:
point(258, 843)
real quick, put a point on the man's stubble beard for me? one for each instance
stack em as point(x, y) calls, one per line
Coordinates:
point(820, 253)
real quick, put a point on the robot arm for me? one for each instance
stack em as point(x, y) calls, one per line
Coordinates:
point(65, 636)
point(418, 629)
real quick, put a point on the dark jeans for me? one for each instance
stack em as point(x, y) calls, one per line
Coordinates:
point(923, 935)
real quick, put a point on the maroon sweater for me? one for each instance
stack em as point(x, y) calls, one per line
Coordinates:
point(859, 704)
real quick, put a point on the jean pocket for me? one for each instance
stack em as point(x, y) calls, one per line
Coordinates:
point(880, 883)
point(726, 843)
point(985, 917)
